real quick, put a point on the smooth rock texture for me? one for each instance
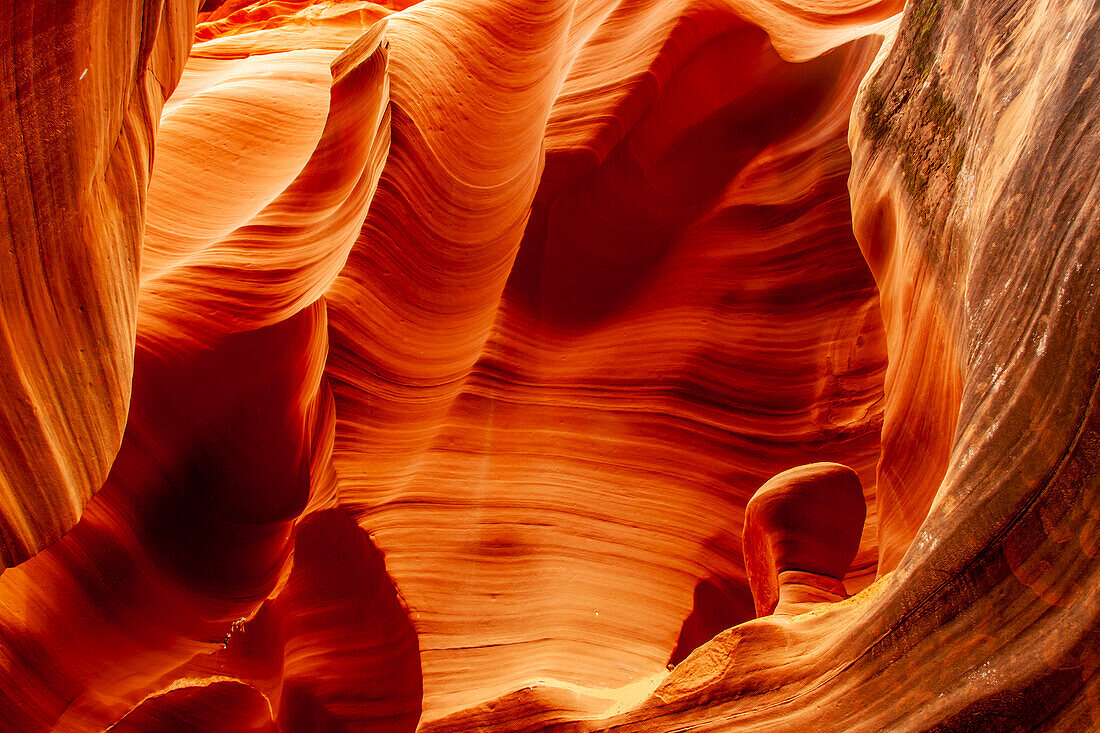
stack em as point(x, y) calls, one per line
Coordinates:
point(442, 366)
point(80, 99)
point(229, 433)
point(802, 531)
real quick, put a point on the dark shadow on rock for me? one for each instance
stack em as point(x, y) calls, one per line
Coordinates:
point(719, 604)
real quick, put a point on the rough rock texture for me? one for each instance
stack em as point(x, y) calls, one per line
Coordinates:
point(455, 344)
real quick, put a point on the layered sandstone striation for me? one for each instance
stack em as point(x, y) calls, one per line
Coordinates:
point(82, 90)
point(549, 365)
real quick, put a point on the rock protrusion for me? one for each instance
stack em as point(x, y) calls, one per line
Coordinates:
point(802, 531)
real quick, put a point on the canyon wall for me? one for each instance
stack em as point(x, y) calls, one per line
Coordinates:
point(396, 367)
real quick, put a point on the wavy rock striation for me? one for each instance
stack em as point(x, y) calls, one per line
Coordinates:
point(442, 366)
point(229, 434)
point(555, 439)
point(82, 92)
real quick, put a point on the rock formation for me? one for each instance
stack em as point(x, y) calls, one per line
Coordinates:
point(549, 365)
point(802, 531)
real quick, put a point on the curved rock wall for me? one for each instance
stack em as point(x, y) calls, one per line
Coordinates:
point(429, 364)
point(82, 92)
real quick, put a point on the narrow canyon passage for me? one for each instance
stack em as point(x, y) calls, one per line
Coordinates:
point(554, 446)
point(548, 365)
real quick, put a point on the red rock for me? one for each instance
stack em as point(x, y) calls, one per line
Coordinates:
point(80, 96)
point(431, 358)
point(802, 531)
point(214, 705)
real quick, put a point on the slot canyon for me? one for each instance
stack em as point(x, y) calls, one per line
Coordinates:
point(555, 366)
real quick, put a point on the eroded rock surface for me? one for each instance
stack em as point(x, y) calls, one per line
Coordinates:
point(438, 366)
point(802, 531)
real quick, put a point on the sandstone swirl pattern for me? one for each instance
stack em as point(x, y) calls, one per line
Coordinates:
point(423, 360)
point(82, 92)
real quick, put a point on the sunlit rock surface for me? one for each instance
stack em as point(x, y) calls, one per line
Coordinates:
point(82, 91)
point(549, 365)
